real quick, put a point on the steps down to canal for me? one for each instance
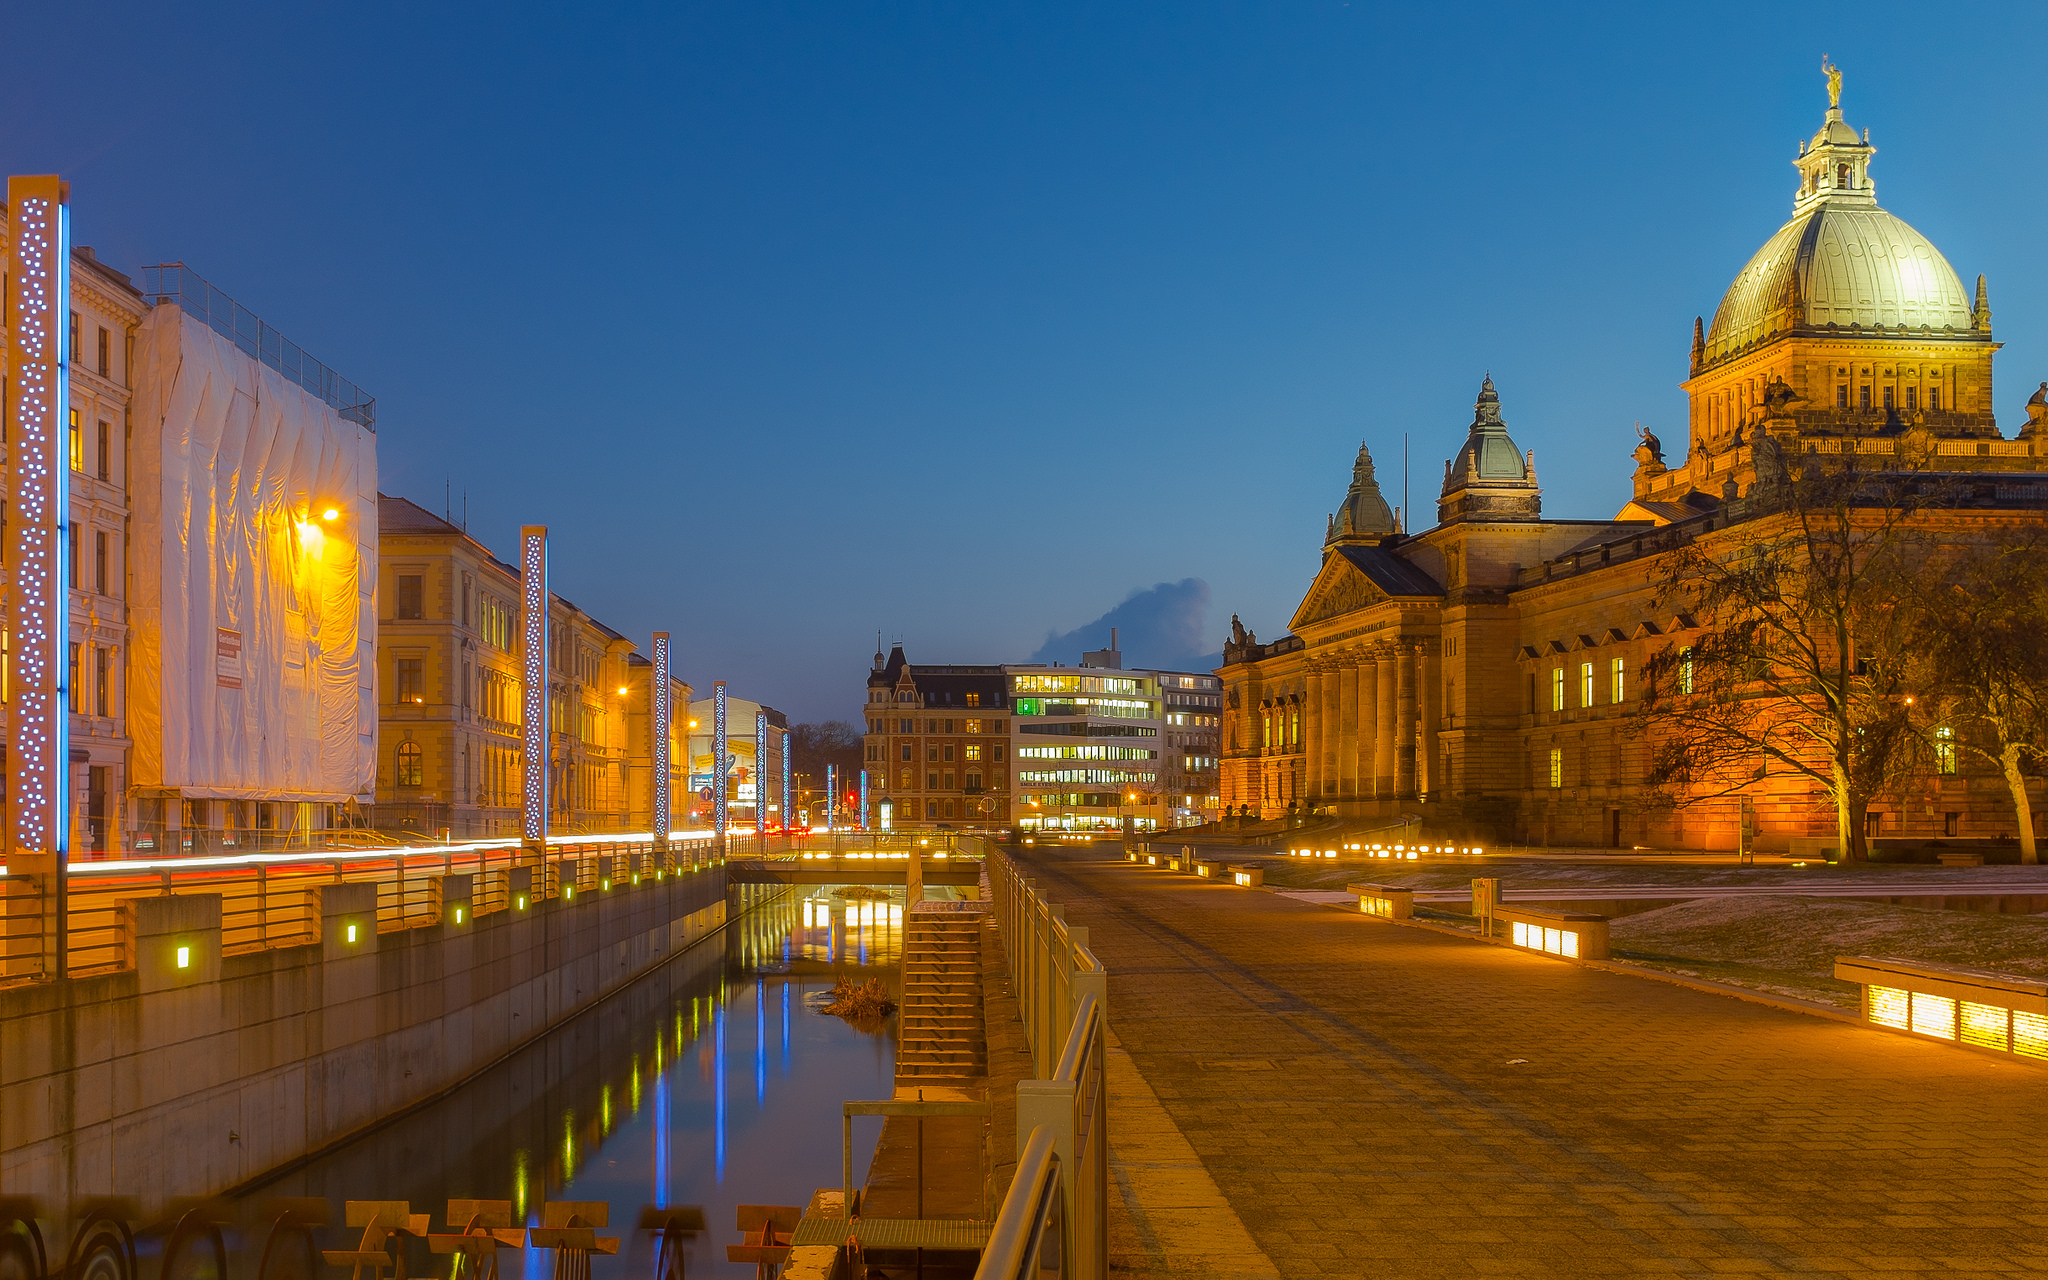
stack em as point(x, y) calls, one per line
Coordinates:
point(941, 1036)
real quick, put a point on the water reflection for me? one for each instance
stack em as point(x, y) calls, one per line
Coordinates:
point(630, 1103)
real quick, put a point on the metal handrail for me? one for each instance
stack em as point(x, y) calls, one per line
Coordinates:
point(1032, 1211)
point(268, 900)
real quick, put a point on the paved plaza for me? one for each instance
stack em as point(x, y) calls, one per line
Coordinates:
point(1380, 1100)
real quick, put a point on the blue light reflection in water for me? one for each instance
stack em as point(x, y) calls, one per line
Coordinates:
point(629, 1103)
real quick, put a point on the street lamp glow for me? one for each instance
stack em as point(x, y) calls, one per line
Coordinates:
point(331, 514)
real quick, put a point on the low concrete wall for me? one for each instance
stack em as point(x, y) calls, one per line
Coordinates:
point(195, 1072)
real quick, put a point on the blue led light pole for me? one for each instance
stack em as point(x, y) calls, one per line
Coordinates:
point(719, 764)
point(761, 773)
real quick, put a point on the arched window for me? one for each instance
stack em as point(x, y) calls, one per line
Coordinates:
point(410, 767)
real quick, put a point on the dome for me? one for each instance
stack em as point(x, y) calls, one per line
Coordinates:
point(1844, 266)
point(1488, 455)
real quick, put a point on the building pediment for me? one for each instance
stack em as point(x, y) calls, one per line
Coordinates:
point(1359, 577)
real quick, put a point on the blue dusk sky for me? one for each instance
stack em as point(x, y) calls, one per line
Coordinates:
point(971, 323)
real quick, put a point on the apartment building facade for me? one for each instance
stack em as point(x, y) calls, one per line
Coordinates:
point(448, 759)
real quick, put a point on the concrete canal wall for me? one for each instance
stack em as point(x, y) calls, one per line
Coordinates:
point(192, 1073)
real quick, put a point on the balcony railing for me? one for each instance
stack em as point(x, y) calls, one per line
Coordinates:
point(174, 282)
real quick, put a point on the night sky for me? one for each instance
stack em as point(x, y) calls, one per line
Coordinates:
point(966, 323)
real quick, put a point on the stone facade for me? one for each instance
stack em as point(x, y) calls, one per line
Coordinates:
point(448, 681)
point(1484, 673)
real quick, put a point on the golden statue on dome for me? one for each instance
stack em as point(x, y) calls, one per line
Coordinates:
point(1834, 75)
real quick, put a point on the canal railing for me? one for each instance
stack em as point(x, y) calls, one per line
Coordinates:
point(82, 923)
point(1062, 1180)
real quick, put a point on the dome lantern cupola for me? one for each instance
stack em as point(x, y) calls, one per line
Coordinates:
point(1490, 479)
point(1834, 166)
point(1364, 514)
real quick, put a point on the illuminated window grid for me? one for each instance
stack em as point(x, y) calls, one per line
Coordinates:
point(1557, 942)
point(1383, 902)
point(40, 267)
point(1947, 1015)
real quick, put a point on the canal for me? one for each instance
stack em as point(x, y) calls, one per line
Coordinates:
point(711, 1082)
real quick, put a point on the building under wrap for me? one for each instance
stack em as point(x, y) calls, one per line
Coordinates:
point(253, 561)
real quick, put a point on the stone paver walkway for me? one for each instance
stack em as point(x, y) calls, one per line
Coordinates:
point(1379, 1100)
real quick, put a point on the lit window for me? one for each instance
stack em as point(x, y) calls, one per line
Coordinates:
point(411, 767)
point(1945, 750)
point(973, 699)
point(1585, 684)
point(1556, 767)
point(1619, 689)
point(1557, 688)
point(973, 751)
point(1685, 670)
point(77, 443)
point(412, 679)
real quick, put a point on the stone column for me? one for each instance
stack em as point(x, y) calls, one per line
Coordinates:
point(1347, 729)
point(1431, 780)
point(1313, 732)
point(1383, 736)
point(1332, 713)
point(1405, 717)
point(1364, 743)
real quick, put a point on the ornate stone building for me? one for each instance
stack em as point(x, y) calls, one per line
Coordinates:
point(1482, 672)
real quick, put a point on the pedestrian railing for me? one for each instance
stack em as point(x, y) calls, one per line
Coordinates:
point(271, 901)
point(1029, 1240)
point(1062, 994)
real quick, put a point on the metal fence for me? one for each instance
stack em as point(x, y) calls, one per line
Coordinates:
point(174, 282)
point(1062, 995)
point(272, 900)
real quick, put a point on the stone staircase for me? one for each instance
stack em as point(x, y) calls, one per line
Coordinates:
point(940, 1034)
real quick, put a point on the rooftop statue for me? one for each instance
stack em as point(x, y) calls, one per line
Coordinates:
point(1834, 75)
point(1651, 450)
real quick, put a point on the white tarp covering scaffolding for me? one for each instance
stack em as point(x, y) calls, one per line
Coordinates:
point(253, 666)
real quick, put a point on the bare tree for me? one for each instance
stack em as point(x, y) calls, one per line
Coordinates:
point(1797, 663)
point(1980, 646)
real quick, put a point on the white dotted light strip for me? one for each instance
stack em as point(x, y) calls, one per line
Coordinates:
point(719, 764)
point(788, 813)
point(533, 697)
point(664, 711)
point(40, 725)
point(760, 773)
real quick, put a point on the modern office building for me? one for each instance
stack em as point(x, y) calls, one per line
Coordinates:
point(1041, 746)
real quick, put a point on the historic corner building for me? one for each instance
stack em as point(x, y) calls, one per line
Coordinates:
point(1482, 672)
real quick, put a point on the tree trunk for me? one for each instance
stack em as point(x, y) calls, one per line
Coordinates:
point(1848, 820)
point(2009, 764)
